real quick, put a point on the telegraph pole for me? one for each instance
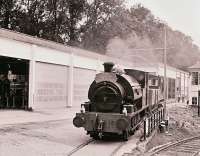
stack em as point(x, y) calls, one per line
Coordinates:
point(165, 72)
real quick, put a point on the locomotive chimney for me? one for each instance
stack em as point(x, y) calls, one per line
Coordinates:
point(108, 66)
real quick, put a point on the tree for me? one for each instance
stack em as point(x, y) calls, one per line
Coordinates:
point(31, 18)
point(100, 26)
point(62, 20)
point(8, 10)
point(55, 20)
point(121, 22)
point(183, 52)
point(94, 32)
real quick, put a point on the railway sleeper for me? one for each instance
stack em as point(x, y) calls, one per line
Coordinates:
point(184, 148)
point(189, 147)
point(184, 151)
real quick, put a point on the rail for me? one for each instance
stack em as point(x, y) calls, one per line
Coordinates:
point(188, 145)
point(80, 147)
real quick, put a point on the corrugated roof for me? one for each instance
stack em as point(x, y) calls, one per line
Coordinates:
point(195, 66)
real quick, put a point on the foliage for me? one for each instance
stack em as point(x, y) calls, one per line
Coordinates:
point(103, 26)
point(55, 20)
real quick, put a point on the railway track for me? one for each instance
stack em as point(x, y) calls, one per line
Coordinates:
point(92, 142)
point(80, 147)
point(117, 149)
point(185, 147)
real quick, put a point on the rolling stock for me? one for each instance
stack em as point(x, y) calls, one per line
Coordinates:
point(118, 101)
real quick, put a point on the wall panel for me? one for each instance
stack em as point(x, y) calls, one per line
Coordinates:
point(51, 86)
point(82, 80)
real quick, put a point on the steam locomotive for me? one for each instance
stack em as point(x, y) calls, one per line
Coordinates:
point(118, 101)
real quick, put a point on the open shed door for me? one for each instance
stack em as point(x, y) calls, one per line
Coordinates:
point(14, 77)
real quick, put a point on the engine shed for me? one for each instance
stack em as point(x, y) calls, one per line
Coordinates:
point(42, 74)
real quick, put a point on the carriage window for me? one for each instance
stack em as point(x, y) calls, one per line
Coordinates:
point(153, 82)
point(171, 88)
point(194, 100)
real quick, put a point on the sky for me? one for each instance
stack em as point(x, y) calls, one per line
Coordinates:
point(182, 15)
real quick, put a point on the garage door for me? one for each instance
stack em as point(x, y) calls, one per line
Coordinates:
point(82, 80)
point(51, 86)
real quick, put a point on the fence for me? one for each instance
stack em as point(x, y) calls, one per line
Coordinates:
point(152, 122)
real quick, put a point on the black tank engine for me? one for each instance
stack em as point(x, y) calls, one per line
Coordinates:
point(118, 100)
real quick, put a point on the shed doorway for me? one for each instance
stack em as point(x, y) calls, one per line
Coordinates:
point(14, 83)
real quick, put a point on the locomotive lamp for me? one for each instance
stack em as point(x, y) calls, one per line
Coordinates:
point(129, 108)
point(82, 109)
point(124, 111)
point(86, 105)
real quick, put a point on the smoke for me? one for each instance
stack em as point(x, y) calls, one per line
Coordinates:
point(136, 49)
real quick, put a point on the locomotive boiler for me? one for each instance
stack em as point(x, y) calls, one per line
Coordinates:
point(118, 100)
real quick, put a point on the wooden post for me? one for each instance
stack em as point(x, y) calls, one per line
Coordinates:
point(144, 129)
point(71, 82)
point(198, 103)
point(148, 126)
point(32, 71)
point(165, 71)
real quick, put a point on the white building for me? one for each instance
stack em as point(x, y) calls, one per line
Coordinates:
point(195, 84)
point(53, 75)
point(177, 83)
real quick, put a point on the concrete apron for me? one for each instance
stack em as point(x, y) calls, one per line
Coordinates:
point(10, 117)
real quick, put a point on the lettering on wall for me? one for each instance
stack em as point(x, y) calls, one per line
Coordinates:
point(50, 92)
